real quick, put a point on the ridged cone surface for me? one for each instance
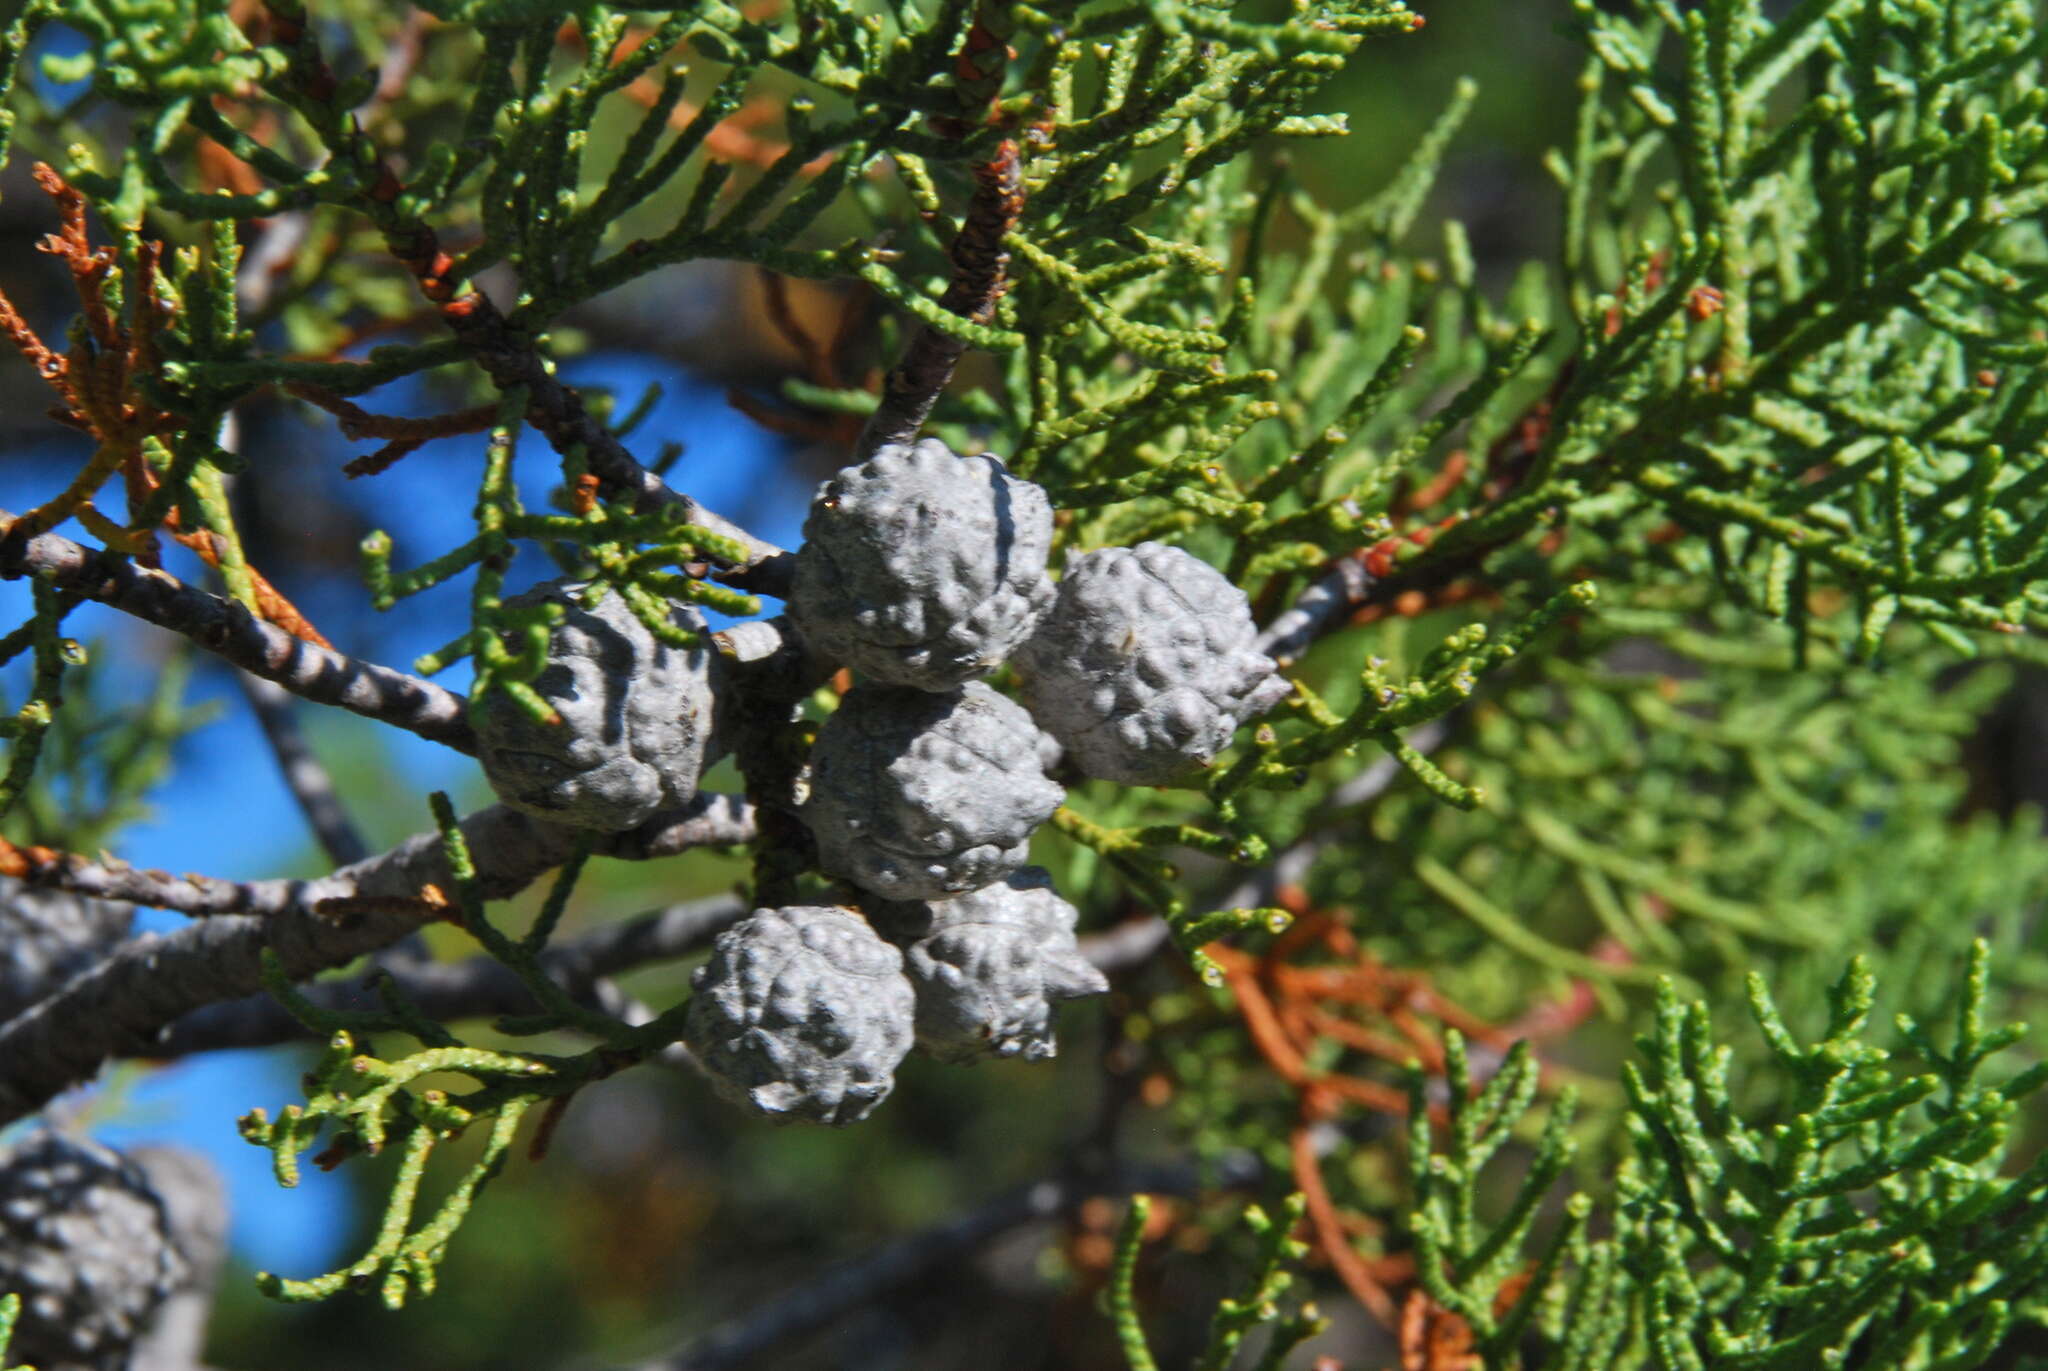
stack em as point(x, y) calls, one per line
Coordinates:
point(49, 936)
point(802, 1013)
point(988, 966)
point(921, 567)
point(1146, 665)
point(638, 718)
point(87, 1244)
point(916, 795)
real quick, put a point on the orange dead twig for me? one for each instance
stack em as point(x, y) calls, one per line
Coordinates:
point(1259, 1019)
point(406, 435)
point(1653, 277)
point(1352, 1269)
point(1438, 487)
point(818, 362)
point(801, 426)
point(544, 1131)
point(1289, 1006)
point(1433, 1338)
point(97, 386)
point(732, 139)
point(271, 603)
point(220, 169)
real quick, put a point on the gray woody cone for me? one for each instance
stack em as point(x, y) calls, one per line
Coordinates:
point(1146, 665)
point(916, 796)
point(988, 965)
point(638, 724)
point(921, 567)
point(113, 1257)
point(47, 937)
point(802, 1013)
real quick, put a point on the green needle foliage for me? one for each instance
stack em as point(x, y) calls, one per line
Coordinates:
point(1874, 1213)
point(1262, 1302)
point(1638, 604)
point(361, 1104)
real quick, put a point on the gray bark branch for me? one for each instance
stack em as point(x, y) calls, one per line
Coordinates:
point(121, 1006)
point(477, 987)
point(1317, 610)
point(482, 987)
point(229, 630)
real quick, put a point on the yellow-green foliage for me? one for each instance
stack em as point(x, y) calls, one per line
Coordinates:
point(1735, 480)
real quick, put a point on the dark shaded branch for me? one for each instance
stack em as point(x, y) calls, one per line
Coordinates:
point(121, 1006)
point(847, 1285)
point(230, 631)
point(1131, 943)
point(663, 935)
point(557, 411)
point(913, 386)
point(303, 775)
point(1319, 609)
point(482, 987)
point(1359, 578)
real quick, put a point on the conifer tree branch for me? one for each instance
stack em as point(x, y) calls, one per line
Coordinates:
point(228, 630)
point(978, 255)
point(1343, 589)
point(477, 987)
point(913, 386)
point(511, 359)
point(482, 986)
point(120, 1006)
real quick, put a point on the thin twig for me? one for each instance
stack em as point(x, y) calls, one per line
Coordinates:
point(555, 408)
point(303, 774)
point(914, 385)
point(1318, 609)
point(227, 629)
point(1136, 941)
point(478, 987)
point(121, 1006)
point(481, 987)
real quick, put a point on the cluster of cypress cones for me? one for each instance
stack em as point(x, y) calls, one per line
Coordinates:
point(923, 571)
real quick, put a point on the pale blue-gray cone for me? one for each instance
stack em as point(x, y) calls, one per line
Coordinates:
point(802, 1013)
point(914, 795)
point(102, 1249)
point(1146, 665)
point(989, 965)
point(49, 936)
point(921, 567)
point(638, 716)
